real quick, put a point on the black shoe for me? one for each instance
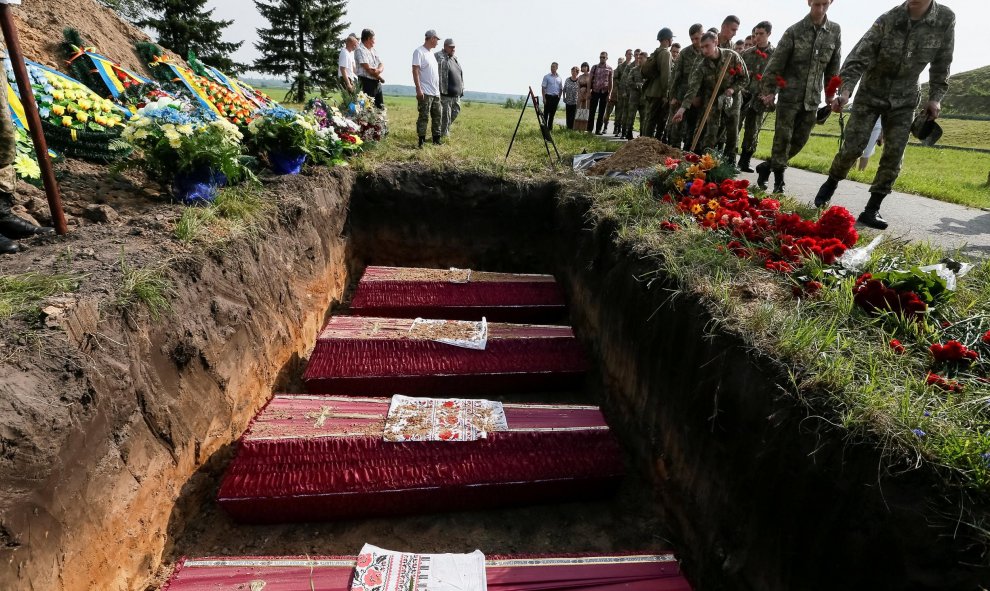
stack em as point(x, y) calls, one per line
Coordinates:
point(422, 141)
point(744, 159)
point(7, 246)
point(871, 218)
point(12, 226)
point(825, 192)
point(762, 174)
point(436, 140)
point(778, 182)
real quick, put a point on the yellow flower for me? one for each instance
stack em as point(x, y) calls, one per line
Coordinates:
point(58, 95)
point(58, 110)
point(680, 184)
point(140, 134)
point(67, 121)
point(185, 129)
point(710, 216)
point(708, 162)
point(84, 104)
point(83, 117)
point(175, 142)
point(27, 167)
point(713, 205)
point(696, 209)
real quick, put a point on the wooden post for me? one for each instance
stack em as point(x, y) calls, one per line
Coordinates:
point(711, 101)
point(33, 119)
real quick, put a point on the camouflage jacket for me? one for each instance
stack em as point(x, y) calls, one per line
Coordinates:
point(659, 87)
point(805, 60)
point(705, 75)
point(617, 75)
point(632, 80)
point(756, 62)
point(682, 71)
point(891, 56)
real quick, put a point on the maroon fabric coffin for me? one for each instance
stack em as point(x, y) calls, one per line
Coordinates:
point(311, 458)
point(399, 292)
point(369, 356)
point(615, 572)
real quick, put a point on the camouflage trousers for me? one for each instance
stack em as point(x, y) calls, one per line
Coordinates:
point(608, 112)
point(450, 108)
point(621, 104)
point(656, 116)
point(709, 135)
point(683, 132)
point(791, 133)
point(896, 125)
point(633, 105)
point(429, 109)
point(752, 123)
point(728, 132)
point(8, 149)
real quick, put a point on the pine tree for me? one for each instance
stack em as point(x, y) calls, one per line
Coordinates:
point(184, 26)
point(131, 10)
point(302, 43)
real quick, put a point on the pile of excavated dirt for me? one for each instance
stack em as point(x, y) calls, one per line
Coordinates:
point(40, 24)
point(642, 152)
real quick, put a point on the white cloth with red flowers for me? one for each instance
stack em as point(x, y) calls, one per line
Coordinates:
point(378, 569)
point(437, 419)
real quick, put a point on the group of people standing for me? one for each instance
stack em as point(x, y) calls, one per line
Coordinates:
point(704, 95)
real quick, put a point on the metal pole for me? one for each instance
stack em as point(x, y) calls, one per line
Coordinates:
point(518, 123)
point(33, 119)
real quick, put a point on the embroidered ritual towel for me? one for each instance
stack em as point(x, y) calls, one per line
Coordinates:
point(435, 419)
point(459, 333)
point(378, 569)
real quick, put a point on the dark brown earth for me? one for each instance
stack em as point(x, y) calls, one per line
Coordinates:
point(642, 152)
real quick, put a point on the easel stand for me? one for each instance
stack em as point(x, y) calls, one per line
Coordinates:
point(544, 130)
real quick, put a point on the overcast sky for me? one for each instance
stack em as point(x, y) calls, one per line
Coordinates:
point(507, 45)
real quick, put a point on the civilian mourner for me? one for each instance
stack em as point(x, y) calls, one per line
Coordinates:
point(451, 86)
point(426, 78)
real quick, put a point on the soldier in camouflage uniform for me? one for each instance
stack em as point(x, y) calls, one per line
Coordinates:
point(11, 226)
point(656, 90)
point(685, 63)
point(753, 110)
point(807, 56)
point(702, 85)
point(613, 97)
point(620, 92)
point(728, 131)
point(887, 63)
point(633, 81)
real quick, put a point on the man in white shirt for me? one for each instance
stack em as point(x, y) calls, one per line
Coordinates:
point(370, 67)
point(345, 64)
point(426, 77)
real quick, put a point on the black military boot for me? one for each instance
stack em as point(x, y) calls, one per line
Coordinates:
point(436, 139)
point(744, 161)
point(422, 141)
point(7, 246)
point(778, 182)
point(762, 174)
point(826, 191)
point(871, 215)
point(12, 226)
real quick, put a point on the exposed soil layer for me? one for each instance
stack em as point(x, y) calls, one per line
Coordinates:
point(642, 152)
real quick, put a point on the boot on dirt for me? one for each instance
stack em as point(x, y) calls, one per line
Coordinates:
point(762, 174)
point(7, 246)
point(744, 161)
point(436, 140)
point(12, 226)
point(778, 182)
point(422, 141)
point(826, 191)
point(871, 214)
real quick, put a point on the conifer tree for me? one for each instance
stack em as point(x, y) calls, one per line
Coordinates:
point(131, 10)
point(302, 43)
point(184, 26)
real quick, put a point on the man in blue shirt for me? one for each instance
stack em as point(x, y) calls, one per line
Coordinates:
point(551, 88)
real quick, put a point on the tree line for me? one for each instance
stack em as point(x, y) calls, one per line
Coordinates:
point(300, 44)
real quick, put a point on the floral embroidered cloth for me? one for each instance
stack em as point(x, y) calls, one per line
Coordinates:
point(469, 335)
point(434, 419)
point(378, 569)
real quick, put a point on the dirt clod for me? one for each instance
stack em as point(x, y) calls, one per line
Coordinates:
point(642, 152)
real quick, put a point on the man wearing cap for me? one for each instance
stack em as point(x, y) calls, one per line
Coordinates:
point(806, 59)
point(887, 63)
point(601, 87)
point(705, 82)
point(451, 86)
point(686, 61)
point(754, 111)
point(426, 77)
point(656, 90)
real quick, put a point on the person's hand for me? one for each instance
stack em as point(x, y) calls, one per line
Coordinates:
point(730, 91)
point(768, 99)
point(419, 94)
point(933, 109)
point(678, 116)
point(840, 101)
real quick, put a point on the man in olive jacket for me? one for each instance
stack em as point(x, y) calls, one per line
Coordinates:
point(657, 73)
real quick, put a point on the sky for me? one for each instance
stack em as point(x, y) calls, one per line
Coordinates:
point(507, 45)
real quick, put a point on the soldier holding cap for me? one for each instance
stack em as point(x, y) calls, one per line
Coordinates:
point(887, 63)
point(656, 90)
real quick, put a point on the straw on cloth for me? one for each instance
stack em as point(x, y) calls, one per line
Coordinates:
point(475, 333)
point(378, 569)
point(437, 419)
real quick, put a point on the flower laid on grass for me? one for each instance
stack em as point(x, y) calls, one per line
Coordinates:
point(941, 383)
point(283, 136)
point(953, 352)
point(897, 346)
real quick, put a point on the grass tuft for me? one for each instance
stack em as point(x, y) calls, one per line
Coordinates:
point(144, 285)
point(21, 294)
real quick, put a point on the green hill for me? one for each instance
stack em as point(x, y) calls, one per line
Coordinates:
point(969, 93)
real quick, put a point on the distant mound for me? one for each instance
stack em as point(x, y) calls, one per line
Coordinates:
point(969, 93)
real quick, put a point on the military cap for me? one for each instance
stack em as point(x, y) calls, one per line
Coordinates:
point(926, 130)
point(665, 34)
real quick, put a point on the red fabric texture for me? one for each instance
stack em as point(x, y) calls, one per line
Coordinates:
point(368, 356)
point(600, 573)
point(383, 291)
point(308, 458)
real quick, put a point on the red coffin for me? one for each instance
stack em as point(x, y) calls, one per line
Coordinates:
point(658, 572)
point(311, 458)
point(368, 356)
point(398, 292)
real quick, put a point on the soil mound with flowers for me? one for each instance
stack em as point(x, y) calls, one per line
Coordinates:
point(642, 152)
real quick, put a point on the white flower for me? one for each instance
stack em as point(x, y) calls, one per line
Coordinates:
point(175, 142)
point(185, 129)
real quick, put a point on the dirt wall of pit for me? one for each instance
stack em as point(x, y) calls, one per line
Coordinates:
point(108, 435)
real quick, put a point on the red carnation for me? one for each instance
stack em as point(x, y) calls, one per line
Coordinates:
point(759, 77)
point(986, 337)
point(692, 158)
point(669, 226)
point(833, 87)
point(897, 346)
point(953, 351)
point(781, 82)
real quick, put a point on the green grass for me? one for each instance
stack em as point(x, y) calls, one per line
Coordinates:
point(149, 286)
point(21, 294)
point(235, 212)
point(952, 176)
